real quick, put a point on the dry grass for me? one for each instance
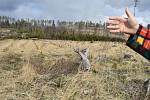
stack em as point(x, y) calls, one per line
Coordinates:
point(48, 70)
point(43, 65)
point(11, 62)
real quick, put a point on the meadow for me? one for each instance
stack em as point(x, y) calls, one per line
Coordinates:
point(49, 70)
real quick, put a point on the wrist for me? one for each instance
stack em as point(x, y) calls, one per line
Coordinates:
point(136, 28)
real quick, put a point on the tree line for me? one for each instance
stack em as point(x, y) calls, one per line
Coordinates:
point(56, 29)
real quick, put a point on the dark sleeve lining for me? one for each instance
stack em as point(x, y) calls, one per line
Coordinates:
point(139, 29)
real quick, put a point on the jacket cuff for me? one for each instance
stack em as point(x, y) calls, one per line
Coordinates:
point(142, 31)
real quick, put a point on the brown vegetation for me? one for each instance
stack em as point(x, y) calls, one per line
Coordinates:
point(49, 71)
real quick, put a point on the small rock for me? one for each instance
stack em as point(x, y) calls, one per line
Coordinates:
point(127, 56)
point(87, 91)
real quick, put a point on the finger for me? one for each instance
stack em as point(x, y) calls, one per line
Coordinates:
point(115, 22)
point(117, 18)
point(113, 27)
point(115, 31)
point(129, 14)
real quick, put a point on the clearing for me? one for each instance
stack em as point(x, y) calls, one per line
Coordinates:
point(48, 70)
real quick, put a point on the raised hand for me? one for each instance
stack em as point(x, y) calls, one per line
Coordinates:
point(127, 25)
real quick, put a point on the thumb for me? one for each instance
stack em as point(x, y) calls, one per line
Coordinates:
point(128, 13)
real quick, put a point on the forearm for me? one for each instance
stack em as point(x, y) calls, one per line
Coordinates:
point(140, 42)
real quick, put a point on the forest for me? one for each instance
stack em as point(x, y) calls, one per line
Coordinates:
point(56, 30)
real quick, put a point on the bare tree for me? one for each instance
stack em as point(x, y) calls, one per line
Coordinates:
point(135, 5)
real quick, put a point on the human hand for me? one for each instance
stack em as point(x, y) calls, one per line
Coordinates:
point(127, 25)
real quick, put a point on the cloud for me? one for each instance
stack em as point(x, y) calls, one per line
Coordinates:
point(10, 5)
point(119, 3)
point(142, 5)
point(94, 10)
point(142, 9)
point(57, 9)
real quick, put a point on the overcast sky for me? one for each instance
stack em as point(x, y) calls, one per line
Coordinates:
point(94, 10)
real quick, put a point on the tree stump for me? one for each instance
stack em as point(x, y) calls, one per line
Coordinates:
point(147, 88)
point(85, 63)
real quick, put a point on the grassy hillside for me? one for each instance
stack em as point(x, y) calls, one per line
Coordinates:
point(48, 70)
